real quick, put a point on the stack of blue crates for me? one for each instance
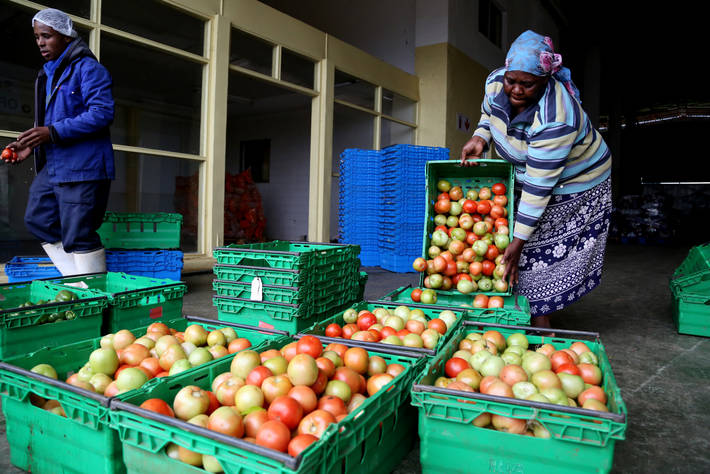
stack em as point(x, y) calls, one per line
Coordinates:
point(360, 186)
point(404, 204)
point(382, 203)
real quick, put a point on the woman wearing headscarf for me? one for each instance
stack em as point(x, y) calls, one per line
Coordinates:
point(533, 116)
point(72, 147)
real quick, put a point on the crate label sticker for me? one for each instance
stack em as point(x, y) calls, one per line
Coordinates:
point(156, 313)
point(262, 324)
point(257, 289)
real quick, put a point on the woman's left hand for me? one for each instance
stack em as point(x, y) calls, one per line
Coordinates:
point(34, 137)
point(511, 257)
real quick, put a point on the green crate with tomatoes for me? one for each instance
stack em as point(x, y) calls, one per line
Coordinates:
point(510, 310)
point(691, 303)
point(134, 301)
point(468, 224)
point(373, 423)
point(48, 411)
point(37, 314)
point(390, 326)
point(554, 409)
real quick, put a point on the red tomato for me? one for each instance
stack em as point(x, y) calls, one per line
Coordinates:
point(257, 375)
point(7, 154)
point(501, 221)
point(568, 369)
point(274, 435)
point(450, 269)
point(366, 320)
point(469, 206)
point(310, 345)
point(487, 267)
point(287, 410)
point(333, 330)
point(158, 406)
point(332, 404)
point(465, 276)
point(442, 228)
point(438, 325)
point(442, 206)
point(559, 358)
point(387, 331)
point(498, 188)
point(497, 211)
point(471, 237)
point(495, 302)
point(214, 403)
point(376, 334)
point(152, 365)
point(500, 200)
point(416, 295)
point(299, 443)
point(349, 330)
point(484, 207)
point(492, 252)
point(443, 196)
point(454, 366)
point(315, 423)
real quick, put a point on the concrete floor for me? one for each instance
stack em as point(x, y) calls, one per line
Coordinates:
point(663, 375)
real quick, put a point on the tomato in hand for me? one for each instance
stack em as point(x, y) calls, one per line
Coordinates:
point(7, 154)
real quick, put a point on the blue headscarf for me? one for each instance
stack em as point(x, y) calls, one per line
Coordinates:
point(534, 54)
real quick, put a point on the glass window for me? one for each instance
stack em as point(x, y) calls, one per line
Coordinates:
point(158, 96)
point(398, 106)
point(394, 133)
point(297, 69)
point(490, 21)
point(353, 90)
point(80, 8)
point(178, 29)
point(250, 52)
point(248, 96)
point(158, 184)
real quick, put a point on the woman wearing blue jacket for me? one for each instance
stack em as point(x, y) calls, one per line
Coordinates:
point(72, 147)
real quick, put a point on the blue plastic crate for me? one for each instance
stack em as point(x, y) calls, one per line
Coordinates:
point(164, 264)
point(30, 268)
point(397, 263)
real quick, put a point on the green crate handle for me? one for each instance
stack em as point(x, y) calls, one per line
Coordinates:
point(217, 322)
point(617, 417)
point(288, 461)
point(263, 270)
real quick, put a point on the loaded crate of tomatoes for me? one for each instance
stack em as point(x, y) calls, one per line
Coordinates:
point(468, 225)
point(510, 309)
point(513, 399)
point(295, 405)
point(412, 328)
point(285, 285)
point(57, 399)
point(134, 301)
point(37, 314)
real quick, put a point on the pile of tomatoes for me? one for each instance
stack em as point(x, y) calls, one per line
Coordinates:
point(469, 239)
point(283, 399)
point(124, 362)
point(491, 364)
point(401, 326)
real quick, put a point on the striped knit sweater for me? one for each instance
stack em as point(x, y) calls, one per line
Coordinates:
point(553, 146)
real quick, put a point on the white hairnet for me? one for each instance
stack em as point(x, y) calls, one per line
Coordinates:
point(57, 20)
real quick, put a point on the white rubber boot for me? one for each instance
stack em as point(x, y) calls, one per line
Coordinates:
point(62, 260)
point(90, 262)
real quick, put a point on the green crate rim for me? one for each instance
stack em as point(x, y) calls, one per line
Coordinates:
point(169, 217)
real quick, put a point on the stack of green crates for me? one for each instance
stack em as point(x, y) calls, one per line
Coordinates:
point(581, 440)
point(690, 290)
point(300, 283)
point(31, 317)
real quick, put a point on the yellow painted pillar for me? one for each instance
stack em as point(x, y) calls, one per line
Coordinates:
point(321, 162)
point(211, 233)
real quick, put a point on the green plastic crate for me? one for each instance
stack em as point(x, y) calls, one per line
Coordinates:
point(487, 173)
point(133, 301)
point(41, 441)
point(287, 255)
point(318, 329)
point(515, 310)
point(159, 230)
point(697, 260)
point(282, 316)
point(581, 440)
point(363, 282)
point(285, 277)
point(341, 445)
point(691, 304)
point(25, 329)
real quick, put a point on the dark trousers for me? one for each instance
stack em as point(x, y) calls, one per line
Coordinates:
point(67, 212)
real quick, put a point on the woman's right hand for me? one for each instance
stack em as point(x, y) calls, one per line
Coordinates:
point(22, 151)
point(472, 150)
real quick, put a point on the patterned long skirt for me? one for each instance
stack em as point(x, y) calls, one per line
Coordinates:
point(563, 259)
